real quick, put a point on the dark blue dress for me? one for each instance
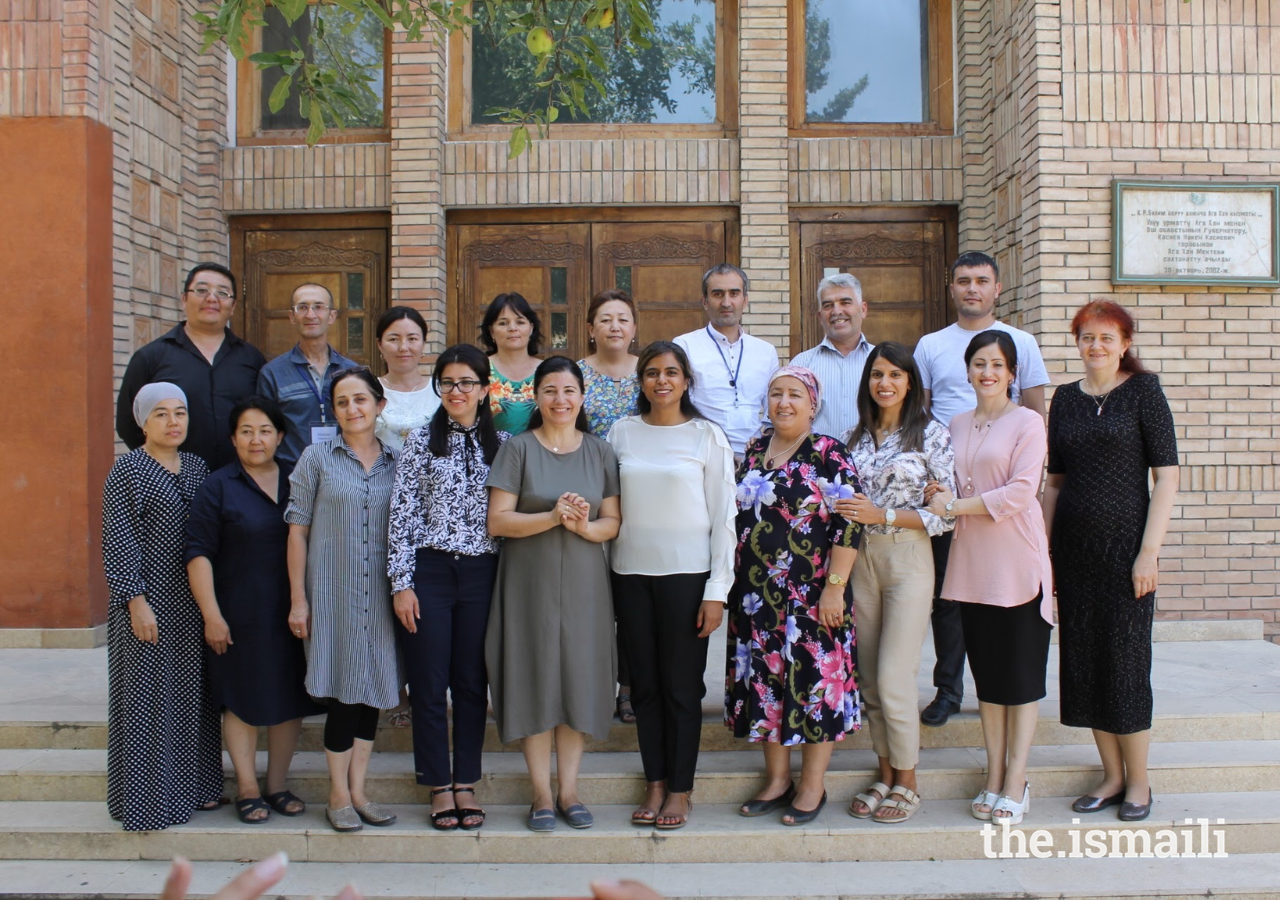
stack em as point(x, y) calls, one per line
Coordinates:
point(242, 532)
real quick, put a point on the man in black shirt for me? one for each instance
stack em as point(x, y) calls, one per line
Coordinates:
point(200, 355)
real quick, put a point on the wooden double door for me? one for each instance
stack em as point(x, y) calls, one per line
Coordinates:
point(899, 254)
point(557, 263)
point(348, 254)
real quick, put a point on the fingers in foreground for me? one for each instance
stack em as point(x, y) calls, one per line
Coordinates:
point(605, 889)
point(253, 881)
point(175, 886)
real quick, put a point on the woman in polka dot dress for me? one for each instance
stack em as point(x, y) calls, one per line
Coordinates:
point(164, 744)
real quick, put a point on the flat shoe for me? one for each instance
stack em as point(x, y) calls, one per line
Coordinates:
point(345, 819)
point(1136, 812)
point(373, 814)
point(909, 803)
point(541, 820)
point(872, 803)
point(753, 808)
point(577, 815)
point(280, 801)
point(804, 816)
point(1089, 803)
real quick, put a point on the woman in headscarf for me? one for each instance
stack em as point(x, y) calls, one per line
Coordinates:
point(790, 644)
point(164, 744)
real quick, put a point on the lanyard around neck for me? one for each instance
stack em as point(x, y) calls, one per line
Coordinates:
point(733, 373)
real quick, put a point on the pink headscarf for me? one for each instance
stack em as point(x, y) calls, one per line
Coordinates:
point(805, 377)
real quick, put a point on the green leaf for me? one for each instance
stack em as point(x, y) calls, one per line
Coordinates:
point(280, 95)
point(292, 10)
point(519, 141)
point(316, 131)
point(553, 113)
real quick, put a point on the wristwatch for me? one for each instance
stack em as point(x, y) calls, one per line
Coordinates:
point(890, 516)
point(836, 579)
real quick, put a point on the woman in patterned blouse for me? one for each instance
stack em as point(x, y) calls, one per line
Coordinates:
point(511, 335)
point(442, 562)
point(897, 448)
point(610, 391)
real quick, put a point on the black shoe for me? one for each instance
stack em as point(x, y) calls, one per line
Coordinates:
point(935, 715)
point(1090, 804)
point(804, 816)
point(753, 808)
point(1136, 812)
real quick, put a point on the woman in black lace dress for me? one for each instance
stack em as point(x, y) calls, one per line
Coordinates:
point(1107, 433)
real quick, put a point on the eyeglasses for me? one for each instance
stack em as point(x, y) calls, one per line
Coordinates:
point(203, 293)
point(303, 309)
point(465, 386)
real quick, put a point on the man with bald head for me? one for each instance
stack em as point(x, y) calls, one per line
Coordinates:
point(299, 380)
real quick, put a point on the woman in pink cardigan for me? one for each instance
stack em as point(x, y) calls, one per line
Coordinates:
point(999, 569)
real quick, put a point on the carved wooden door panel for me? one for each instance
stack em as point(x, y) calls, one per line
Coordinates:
point(272, 261)
point(902, 266)
point(546, 264)
point(661, 267)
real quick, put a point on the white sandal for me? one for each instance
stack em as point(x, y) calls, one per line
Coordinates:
point(909, 803)
point(1015, 810)
point(985, 798)
point(872, 803)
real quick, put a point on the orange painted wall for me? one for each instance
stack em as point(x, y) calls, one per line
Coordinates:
point(55, 347)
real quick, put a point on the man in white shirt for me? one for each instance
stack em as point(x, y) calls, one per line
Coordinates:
point(839, 360)
point(975, 287)
point(731, 368)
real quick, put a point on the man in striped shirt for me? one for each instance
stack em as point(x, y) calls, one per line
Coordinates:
point(838, 361)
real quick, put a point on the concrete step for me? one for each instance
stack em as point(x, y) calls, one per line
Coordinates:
point(1251, 876)
point(1234, 722)
point(723, 777)
point(941, 829)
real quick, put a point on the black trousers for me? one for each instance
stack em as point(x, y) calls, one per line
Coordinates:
point(444, 659)
point(657, 616)
point(948, 631)
point(347, 722)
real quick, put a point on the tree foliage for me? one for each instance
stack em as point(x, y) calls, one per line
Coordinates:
point(817, 60)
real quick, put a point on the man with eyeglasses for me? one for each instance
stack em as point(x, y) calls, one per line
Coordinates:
point(299, 380)
point(214, 368)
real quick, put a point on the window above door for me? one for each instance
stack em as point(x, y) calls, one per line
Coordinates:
point(363, 46)
point(686, 83)
point(870, 68)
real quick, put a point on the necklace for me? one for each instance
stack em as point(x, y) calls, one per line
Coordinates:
point(1101, 401)
point(772, 458)
point(972, 448)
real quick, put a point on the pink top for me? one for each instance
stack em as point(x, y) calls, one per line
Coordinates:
point(1001, 559)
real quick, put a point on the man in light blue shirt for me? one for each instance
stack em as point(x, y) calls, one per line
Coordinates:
point(839, 360)
point(299, 380)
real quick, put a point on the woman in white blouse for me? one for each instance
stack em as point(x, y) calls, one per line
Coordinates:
point(672, 569)
point(411, 400)
point(897, 448)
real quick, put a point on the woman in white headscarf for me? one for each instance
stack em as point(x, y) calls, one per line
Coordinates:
point(164, 743)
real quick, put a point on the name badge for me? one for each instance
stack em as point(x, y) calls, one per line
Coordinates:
point(323, 432)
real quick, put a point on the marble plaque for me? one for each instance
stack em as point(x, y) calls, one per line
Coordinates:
point(1169, 233)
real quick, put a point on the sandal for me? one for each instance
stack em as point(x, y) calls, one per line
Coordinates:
point(909, 803)
point(400, 718)
point(681, 820)
point(1015, 811)
point(250, 805)
point(210, 806)
point(438, 817)
point(467, 812)
point(985, 798)
point(871, 803)
point(280, 801)
point(625, 712)
point(644, 815)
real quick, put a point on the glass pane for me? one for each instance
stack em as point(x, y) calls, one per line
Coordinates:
point(559, 331)
point(355, 290)
point(672, 81)
point(866, 60)
point(354, 45)
point(622, 278)
point(559, 285)
point(355, 335)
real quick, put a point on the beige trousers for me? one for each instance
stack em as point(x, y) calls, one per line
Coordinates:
point(892, 598)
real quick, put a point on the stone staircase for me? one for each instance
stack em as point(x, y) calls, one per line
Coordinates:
point(1216, 755)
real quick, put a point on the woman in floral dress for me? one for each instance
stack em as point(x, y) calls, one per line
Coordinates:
point(791, 648)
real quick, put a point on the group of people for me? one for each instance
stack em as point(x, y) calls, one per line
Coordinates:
point(560, 539)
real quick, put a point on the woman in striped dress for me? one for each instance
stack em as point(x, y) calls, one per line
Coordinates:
point(339, 504)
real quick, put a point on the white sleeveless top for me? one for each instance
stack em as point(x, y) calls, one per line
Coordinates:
point(405, 411)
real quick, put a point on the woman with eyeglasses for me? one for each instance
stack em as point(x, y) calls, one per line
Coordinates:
point(402, 339)
point(442, 562)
